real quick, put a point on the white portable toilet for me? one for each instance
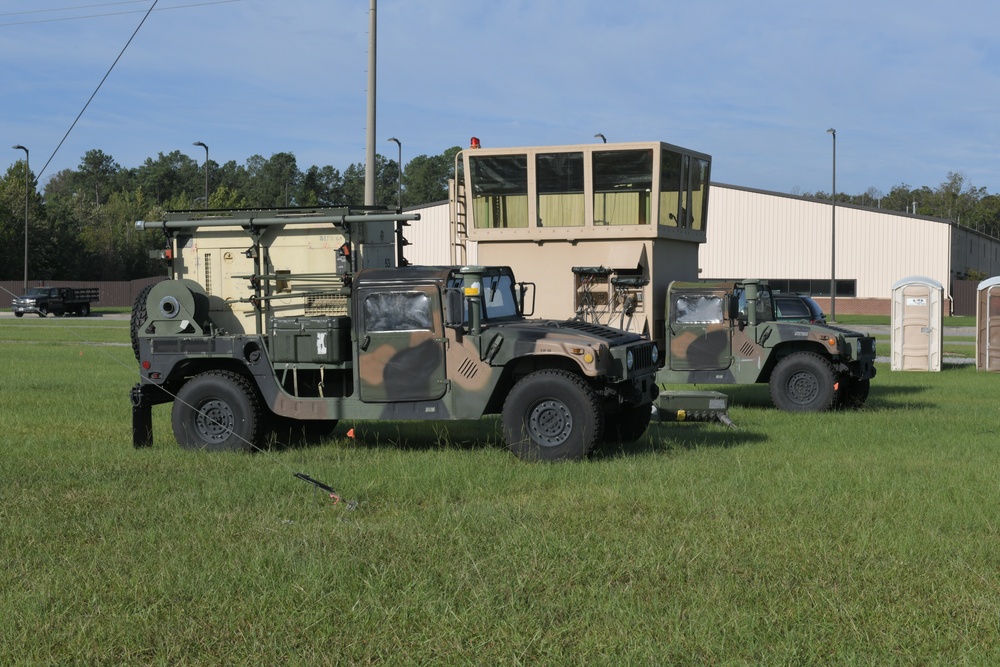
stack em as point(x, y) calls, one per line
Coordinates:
point(916, 324)
point(988, 325)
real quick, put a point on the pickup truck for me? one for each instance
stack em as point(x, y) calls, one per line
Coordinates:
point(56, 300)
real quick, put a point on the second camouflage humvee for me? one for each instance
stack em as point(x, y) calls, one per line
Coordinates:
point(726, 333)
point(414, 343)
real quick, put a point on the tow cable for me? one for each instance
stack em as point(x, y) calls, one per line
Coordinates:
point(351, 504)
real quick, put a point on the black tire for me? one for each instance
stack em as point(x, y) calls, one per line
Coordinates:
point(628, 425)
point(552, 415)
point(42, 312)
point(218, 411)
point(138, 317)
point(84, 310)
point(18, 314)
point(803, 382)
point(854, 393)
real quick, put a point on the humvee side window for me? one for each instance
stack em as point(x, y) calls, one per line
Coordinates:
point(398, 311)
point(698, 309)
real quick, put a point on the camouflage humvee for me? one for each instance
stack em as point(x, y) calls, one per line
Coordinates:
point(726, 333)
point(412, 343)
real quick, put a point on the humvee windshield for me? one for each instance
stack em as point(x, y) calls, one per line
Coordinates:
point(765, 306)
point(498, 293)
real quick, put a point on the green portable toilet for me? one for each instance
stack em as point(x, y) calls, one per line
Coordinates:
point(916, 324)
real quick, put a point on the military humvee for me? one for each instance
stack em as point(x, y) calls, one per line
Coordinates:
point(246, 338)
point(726, 333)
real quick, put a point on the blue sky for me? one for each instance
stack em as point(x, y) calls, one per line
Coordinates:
point(913, 88)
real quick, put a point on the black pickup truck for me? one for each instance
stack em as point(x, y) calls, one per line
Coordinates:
point(56, 300)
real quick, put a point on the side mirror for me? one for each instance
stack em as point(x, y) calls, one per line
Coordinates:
point(526, 298)
point(454, 305)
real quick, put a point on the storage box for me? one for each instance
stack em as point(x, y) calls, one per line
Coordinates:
point(311, 340)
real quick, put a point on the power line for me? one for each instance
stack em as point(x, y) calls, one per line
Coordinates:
point(66, 9)
point(94, 94)
point(93, 16)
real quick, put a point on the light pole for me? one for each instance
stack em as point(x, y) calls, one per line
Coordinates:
point(399, 198)
point(19, 147)
point(601, 137)
point(202, 144)
point(833, 234)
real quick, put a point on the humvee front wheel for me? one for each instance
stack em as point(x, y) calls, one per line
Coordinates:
point(803, 382)
point(628, 424)
point(552, 415)
point(854, 393)
point(218, 411)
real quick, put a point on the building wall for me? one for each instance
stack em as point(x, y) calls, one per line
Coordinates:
point(763, 234)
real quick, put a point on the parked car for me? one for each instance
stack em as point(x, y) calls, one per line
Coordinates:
point(56, 300)
point(797, 308)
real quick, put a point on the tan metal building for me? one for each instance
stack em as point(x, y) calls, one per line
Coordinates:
point(787, 239)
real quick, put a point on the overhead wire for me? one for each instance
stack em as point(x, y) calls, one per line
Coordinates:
point(93, 16)
point(94, 94)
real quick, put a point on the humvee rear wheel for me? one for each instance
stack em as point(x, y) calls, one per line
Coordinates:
point(552, 415)
point(803, 382)
point(218, 411)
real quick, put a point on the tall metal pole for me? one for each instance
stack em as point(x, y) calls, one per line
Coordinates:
point(833, 234)
point(399, 196)
point(370, 140)
point(202, 144)
point(19, 147)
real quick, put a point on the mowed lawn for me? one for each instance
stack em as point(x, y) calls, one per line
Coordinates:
point(864, 537)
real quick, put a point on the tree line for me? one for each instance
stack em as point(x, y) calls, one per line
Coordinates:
point(954, 199)
point(81, 225)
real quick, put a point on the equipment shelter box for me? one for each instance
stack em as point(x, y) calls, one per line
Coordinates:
point(916, 324)
point(988, 325)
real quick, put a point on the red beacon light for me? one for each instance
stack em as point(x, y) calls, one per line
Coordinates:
point(474, 143)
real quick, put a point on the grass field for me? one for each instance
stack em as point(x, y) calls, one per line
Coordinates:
point(866, 537)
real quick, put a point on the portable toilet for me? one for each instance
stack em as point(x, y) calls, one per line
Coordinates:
point(916, 324)
point(988, 325)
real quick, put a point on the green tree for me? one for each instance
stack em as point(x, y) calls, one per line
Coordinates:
point(12, 223)
point(425, 179)
point(386, 183)
point(271, 182)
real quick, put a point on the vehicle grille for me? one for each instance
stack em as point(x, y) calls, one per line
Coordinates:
point(866, 345)
point(643, 356)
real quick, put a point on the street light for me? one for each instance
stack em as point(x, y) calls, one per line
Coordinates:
point(833, 234)
point(202, 144)
point(19, 147)
point(399, 199)
point(601, 137)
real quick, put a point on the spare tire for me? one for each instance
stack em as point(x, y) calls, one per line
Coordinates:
point(138, 317)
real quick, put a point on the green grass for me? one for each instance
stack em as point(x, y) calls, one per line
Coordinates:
point(865, 537)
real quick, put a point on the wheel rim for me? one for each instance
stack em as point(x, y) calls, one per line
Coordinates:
point(215, 421)
point(550, 423)
point(803, 387)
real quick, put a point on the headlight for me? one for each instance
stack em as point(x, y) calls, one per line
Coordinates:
point(656, 355)
point(629, 360)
